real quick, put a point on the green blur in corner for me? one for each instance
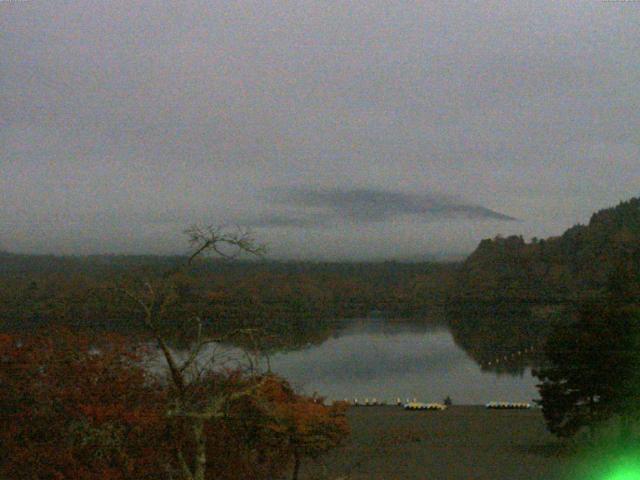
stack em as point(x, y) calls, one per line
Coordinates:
point(603, 464)
point(626, 469)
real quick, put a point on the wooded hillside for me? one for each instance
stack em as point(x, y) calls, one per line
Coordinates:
point(555, 270)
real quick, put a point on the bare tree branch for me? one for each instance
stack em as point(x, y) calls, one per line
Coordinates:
point(155, 297)
point(184, 467)
point(212, 238)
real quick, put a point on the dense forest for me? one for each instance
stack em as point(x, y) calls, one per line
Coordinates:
point(277, 297)
point(557, 270)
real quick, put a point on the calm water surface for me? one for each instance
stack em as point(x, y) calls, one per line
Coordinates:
point(385, 360)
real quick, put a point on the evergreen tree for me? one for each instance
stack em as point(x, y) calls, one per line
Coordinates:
point(593, 372)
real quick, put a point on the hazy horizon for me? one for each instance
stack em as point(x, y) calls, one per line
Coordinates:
point(361, 130)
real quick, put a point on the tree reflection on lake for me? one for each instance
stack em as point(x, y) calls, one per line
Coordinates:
point(471, 358)
point(388, 359)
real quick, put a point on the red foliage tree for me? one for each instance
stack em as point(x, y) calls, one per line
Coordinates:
point(261, 434)
point(305, 426)
point(83, 407)
point(76, 407)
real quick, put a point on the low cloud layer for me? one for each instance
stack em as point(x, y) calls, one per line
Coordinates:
point(125, 122)
point(309, 207)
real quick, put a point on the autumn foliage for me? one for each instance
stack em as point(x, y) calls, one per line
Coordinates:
point(80, 406)
point(305, 426)
point(265, 434)
point(76, 407)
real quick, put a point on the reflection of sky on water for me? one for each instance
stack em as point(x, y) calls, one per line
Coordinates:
point(386, 360)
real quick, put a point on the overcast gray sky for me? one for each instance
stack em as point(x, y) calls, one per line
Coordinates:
point(370, 129)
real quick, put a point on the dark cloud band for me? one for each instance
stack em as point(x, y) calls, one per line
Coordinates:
point(317, 207)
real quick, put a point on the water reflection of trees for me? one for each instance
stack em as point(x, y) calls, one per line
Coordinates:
point(291, 335)
point(499, 340)
point(266, 337)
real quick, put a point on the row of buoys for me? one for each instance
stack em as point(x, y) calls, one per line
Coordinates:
point(415, 405)
point(424, 406)
point(366, 402)
point(508, 405)
point(512, 355)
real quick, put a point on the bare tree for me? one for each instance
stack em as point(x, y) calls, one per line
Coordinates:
point(216, 240)
point(153, 297)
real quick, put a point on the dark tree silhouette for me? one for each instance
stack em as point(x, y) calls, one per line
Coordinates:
point(593, 371)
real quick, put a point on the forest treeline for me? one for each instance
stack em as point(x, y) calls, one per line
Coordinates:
point(557, 270)
point(281, 296)
point(278, 297)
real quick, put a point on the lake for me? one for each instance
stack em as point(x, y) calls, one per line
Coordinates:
point(473, 361)
point(387, 359)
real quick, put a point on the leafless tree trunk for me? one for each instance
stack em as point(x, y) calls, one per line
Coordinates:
point(153, 301)
point(296, 466)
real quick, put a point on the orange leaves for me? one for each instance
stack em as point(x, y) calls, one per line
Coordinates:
point(274, 389)
point(309, 426)
point(264, 430)
point(5, 341)
point(82, 407)
point(77, 407)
